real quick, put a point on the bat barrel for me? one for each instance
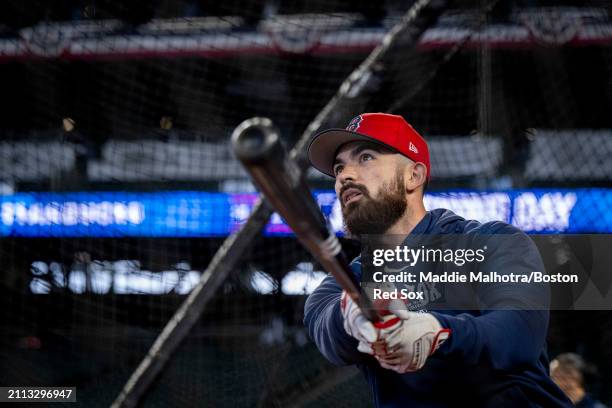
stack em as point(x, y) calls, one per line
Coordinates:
point(257, 140)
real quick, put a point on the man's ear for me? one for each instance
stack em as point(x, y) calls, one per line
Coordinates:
point(414, 176)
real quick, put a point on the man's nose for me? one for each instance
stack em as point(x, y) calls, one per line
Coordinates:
point(348, 173)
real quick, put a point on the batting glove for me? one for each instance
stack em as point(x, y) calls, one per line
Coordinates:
point(356, 324)
point(368, 334)
point(410, 340)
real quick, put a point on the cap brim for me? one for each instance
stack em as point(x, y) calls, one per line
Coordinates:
point(324, 146)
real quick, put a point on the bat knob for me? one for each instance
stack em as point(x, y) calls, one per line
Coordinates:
point(256, 140)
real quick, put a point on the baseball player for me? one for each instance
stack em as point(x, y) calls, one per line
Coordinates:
point(570, 372)
point(492, 357)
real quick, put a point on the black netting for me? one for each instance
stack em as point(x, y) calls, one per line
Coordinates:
point(126, 102)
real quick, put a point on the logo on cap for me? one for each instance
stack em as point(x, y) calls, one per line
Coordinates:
point(354, 123)
point(413, 148)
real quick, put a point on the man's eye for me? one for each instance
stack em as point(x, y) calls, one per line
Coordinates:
point(366, 157)
point(338, 169)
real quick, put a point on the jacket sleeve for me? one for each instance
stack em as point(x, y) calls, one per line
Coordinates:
point(324, 321)
point(510, 331)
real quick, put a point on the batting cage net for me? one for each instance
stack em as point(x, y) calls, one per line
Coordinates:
point(119, 186)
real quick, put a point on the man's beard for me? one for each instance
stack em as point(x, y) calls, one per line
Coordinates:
point(370, 215)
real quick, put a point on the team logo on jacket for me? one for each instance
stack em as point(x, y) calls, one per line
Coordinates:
point(354, 124)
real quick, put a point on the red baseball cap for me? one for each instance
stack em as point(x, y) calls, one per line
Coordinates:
point(391, 131)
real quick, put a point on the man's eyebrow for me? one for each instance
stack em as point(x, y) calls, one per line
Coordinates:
point(364, 146)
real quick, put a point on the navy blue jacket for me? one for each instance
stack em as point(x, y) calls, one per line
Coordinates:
point(493, 358)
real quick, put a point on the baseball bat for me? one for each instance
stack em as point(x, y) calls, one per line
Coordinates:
point(257, 145)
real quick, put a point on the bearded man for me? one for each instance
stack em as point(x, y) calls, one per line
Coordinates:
point(491, 357)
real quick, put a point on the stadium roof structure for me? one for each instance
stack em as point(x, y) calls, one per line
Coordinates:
point(299, 34)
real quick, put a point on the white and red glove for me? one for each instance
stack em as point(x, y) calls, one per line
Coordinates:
point(410, 341)
point(356, 324)
point(359, 327)
point(401, 342)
